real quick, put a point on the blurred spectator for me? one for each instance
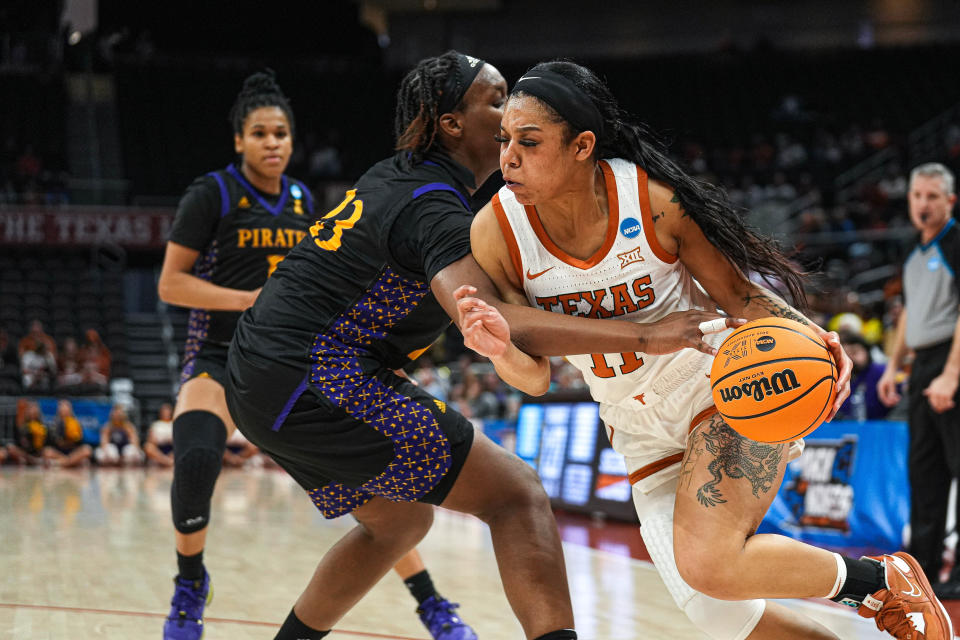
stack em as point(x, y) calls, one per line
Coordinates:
point(483, 403)
point(790, 152)
point(851, 141)
point(846, 322)
point(119, 442)
point(31, 434)
point(239, 450)
point(69, 354)
point(893, 184)
point(779, 190)
point(952, 141)
point(877, 137)
point(864, 402)
point(564, 376)
point(429, 379)
point(70, 364)
point(95, 351)
point(159, 441)
point(91, 380)
point(34, 336)
point(65, 447)
point(39, 368)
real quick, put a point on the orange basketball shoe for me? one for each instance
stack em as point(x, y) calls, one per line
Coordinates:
point(907, 608)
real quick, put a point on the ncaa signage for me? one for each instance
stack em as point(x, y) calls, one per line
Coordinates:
point(847, 489)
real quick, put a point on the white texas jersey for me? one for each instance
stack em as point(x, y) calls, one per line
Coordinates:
point(631, 277)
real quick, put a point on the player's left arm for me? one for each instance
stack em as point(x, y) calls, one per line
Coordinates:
point(726, 283)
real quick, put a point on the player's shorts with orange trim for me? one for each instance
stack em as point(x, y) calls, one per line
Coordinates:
point(204, 360)
point(348, 437)
point(655, 438)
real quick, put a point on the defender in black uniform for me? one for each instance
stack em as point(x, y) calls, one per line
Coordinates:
point(311, 366)
point(232, 229)
point(311, 378)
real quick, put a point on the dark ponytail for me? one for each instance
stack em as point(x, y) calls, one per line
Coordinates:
point(418, 99)
point(721, 223)
point(259, 90)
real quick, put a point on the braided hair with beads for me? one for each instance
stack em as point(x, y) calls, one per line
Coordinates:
point(259, 90)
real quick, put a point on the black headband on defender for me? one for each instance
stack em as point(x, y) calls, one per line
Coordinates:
point(564, 97)
point(458, 82)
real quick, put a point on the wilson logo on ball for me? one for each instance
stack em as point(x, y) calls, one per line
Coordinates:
point(759, 388)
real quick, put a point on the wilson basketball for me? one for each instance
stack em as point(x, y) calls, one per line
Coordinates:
point(774, 380)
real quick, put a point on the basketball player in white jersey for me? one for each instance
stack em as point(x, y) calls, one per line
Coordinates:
point(596, 221)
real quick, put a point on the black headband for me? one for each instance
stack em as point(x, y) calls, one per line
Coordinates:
point(564, 97)
point(458, 82)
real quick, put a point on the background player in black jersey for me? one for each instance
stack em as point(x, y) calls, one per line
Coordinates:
point(311, 367)
point(232, 229)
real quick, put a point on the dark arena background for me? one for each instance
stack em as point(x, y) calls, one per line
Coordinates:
point(810, 115)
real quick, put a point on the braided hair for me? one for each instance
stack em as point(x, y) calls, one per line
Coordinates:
point(259, 90)
point(416, 121)
point(721, 222)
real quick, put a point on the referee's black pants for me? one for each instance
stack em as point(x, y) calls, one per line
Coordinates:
point(934, 459)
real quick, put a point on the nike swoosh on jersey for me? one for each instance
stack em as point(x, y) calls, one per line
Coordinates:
point(534, 276)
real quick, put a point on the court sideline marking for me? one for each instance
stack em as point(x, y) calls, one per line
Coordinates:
point(147, 614)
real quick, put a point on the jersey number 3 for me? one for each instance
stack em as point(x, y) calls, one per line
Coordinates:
point(333, 242)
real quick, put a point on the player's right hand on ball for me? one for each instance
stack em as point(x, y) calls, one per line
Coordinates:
point(682, 329)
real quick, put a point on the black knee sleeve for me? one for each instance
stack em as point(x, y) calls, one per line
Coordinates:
point(199, 439)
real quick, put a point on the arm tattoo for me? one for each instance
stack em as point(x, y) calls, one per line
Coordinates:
point(774, 307)
point(658, 216)
point(726, 452)
point(676, 198)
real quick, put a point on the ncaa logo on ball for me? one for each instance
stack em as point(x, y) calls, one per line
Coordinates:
point(765, 343)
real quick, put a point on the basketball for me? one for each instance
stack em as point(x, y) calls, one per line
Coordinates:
point(774, 380)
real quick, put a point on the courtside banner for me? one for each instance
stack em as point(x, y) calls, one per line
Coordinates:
point(80, 226)
point(849, 488)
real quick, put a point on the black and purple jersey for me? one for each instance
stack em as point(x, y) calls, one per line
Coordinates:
point(361, 281)
point(242, 234)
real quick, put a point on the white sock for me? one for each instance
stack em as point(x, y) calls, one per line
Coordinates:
point(841, 576)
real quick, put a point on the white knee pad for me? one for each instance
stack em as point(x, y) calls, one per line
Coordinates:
point(719, 619)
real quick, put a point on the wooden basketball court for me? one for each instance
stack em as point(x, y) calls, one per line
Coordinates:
point(89, 554)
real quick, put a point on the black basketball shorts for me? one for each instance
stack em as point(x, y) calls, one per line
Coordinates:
point(204, 360)
point(346, 434)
